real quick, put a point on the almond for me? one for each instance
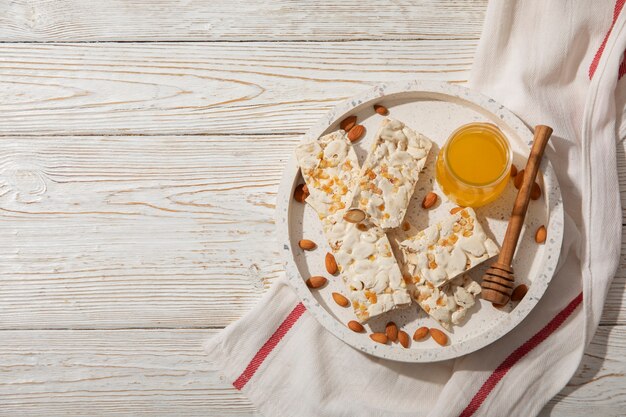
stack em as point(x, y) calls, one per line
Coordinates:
point(420, 333)
point(391, 330)
point(403, 338)
point(519, 178)
point(499, 306)
point(348, 123)
point(541, 234)
point(513, 171)
point(439, 336)
point(300, 193)
point(340, 300)
point(354, 216)
point(307, 244)
point(519, 292)
point(406, 226)
point(429, 200)
point(382, 110)
point(535, 192)
point(356, 133)
point(355, 326)
point(379, 338)
point(331, 264)
point(316, 282)
point(455, 210)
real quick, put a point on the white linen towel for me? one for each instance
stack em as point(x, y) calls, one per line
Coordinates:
point(554, 63)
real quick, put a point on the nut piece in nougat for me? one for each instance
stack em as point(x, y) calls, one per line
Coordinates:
point(368, 268)
point(391, 170)
point(330, 170)
point(445, 250)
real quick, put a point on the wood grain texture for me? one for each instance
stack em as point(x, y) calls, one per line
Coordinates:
point(165, 231)
point(203, 88)
point(165, 372)
point(228, 20)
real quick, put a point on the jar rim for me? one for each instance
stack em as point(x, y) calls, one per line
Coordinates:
point(498, 135)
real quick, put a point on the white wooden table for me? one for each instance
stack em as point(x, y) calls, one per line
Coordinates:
point(141, 146)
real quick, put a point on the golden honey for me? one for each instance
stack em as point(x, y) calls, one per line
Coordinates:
point(473, 166)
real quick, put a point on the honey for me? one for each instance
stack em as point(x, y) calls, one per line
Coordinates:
point(473, 166)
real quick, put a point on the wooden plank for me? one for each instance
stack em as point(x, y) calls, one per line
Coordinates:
point(113, 373)
point(237, 20)
point(165, 231)
point(203, 88)
point(165, 372)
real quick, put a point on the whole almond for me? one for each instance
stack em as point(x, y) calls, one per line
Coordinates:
point(519, 178)
point(340, 299)
point(429, 200)
point(331, 264)
point(354, 216)
point(379, 338)
point(356, 133)
point(355, 326)
point(535, 192)
point(300, 193)
point(513, 170)
point(541, 234)
point(420, 333)
point(403, 338)
point(316, 282)
point(499, 306)
point(307, 244)
point(391, 330)
point(382, 110)
point(439, 336)
point(348, 123)
point(455, 210)
point(519, 292)
point(406, 226)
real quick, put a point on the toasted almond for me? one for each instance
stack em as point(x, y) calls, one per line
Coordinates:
point(331, 264)
point(541, 234)
point(535, 192)
point(356, 133)
point(355, 326)
point(440, 337)
point(519, 178)
point(429, 200)
point(307, 244)
point(348, 123)
point(420, 334)
point(340, 299)
point(316, 282)
point(513, 170)
point(382, 110)
point(379, 338)
point(519, 292)
point(406, 226)
point(354, 216)
point(300, 193)
point(455, 210)
point(391, 330)
point(499, 306)
point(403, 338)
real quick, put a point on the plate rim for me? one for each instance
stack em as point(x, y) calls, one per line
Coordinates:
point(357, 340)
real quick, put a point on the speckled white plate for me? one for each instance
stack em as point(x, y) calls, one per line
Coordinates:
point(434, 109)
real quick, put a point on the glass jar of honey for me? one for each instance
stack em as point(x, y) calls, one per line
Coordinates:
point(473, 166)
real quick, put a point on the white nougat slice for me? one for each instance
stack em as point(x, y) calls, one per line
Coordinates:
point(445, 250)
point(330, 169)
point(390, 172)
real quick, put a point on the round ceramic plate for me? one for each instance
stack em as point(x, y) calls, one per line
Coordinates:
point(434, 109)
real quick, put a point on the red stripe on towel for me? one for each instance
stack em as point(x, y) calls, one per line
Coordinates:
point(619, 4)
point(622, 67)
point(267, 348)
point(518, 354)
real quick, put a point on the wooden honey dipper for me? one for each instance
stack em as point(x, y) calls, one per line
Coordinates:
point(498, 281)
